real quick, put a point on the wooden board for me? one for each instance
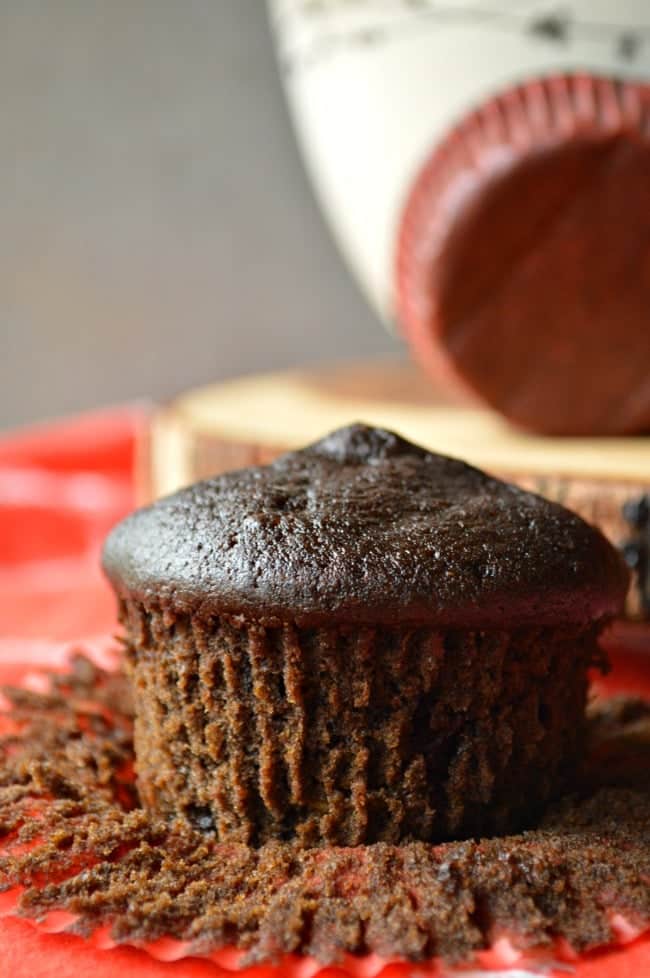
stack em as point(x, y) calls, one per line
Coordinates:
point(251, 420)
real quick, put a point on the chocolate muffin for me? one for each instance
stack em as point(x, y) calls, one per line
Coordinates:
point(361, 642)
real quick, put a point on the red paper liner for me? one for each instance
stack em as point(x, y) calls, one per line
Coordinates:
point(630, 958)
point(502, 956)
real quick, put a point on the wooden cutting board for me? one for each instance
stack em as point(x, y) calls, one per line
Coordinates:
point(251, 420)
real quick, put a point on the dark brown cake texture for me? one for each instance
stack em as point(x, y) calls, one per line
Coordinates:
point(361, 642)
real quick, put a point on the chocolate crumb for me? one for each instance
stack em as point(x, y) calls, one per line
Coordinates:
point(73, 834)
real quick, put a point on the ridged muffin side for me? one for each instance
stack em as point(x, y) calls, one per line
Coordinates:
point(352, 734)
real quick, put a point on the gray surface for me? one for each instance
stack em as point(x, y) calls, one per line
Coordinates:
point(156, 227)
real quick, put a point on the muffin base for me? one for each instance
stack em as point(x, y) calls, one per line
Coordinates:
point(347, 736)
point(74, 840)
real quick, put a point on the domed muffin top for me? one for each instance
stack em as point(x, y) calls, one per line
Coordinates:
point(364, 526)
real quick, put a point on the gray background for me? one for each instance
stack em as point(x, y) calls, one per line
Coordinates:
point(157, 230)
